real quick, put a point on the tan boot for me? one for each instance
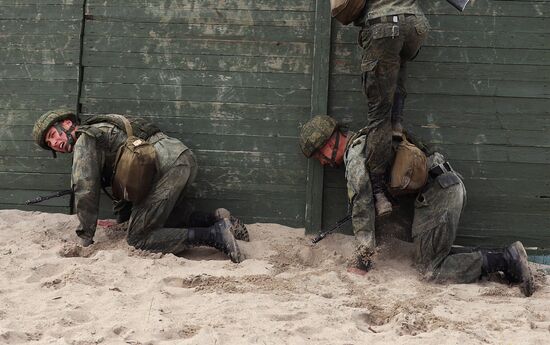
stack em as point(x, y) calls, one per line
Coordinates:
point(382, 205)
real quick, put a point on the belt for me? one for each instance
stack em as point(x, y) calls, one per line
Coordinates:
point(440, 169)
point(389, 19)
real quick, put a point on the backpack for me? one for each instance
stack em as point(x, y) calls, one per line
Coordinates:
point(409, 171)
point(135, 165)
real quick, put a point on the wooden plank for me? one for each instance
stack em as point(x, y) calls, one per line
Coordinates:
point(37, 87)
point(480, 136)
point(61, 165)
point(38, 27)
point(31, 56)
point(465, 87)
point(491, 8)
point(42, 180)
point(40, 42)
point(181, 126)
point(187, 109)
point(201, 16)
point(148, 76)
point(450, 70)
point(267, 5)
point(196, 93)
point(467, 104)
point(194, 140)
point(319, 105)
point(16, 101)
point(199, 62)
point(197, 46)
point(42, 11)
point(452, 118)
point(37, 72)
point(205, 31)
point(350, 55)
point(495, 153)
point(474, 38)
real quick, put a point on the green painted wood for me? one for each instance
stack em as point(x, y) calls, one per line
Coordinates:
point(211, 31)
point(197, 46)
point(197, 93)
point(531, 56)
point(158, 14)
point(477, 87)
point(42, 11)
point(268, 5)
point(148, 76)
point(319, 105)
point(478, 92)
point(32, 56)
point(199, 62)
point(38, 27)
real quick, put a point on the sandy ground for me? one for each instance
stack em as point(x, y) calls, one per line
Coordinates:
point(54, 292)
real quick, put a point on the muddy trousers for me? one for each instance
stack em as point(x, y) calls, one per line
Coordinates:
point(153, 223)
point(437, 213)
point(387, 46)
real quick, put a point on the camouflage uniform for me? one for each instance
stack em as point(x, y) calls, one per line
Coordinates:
point(392, 33)
point(152, 224)
point(437, 211)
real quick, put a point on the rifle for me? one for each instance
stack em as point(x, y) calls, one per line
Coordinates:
point(51, 196)
point(459, 4)
point(324, 234)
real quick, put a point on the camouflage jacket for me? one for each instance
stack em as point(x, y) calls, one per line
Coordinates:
point(93, 162)
point(360, 196)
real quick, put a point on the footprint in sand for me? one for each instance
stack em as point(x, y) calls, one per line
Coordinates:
point(43, 271)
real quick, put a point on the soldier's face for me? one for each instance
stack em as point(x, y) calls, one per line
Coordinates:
point(324, 154)
point(57, 140)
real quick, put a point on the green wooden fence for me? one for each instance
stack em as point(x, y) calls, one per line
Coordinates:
point(235, 79)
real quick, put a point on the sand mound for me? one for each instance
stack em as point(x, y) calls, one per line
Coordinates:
point(286, 292)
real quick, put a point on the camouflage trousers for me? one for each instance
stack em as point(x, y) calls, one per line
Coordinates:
point(437, 213)
point(387, 46)
point(155, 223)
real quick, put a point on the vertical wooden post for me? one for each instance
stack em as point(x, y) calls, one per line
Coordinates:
point(319, 105)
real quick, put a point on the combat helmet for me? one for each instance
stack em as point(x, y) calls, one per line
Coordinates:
point(45, 121)
point(315, 133)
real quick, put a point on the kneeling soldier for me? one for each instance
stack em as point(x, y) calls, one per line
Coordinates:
point(438, 205)
point(154, 202)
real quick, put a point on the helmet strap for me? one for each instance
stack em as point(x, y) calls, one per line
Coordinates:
point(68, 132)
point(335, 148)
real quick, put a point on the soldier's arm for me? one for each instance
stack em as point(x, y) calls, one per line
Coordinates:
point(360, 193)
point(86, 182)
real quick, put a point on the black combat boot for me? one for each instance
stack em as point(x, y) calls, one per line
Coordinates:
point(206, 219)
point(381, 203)
point(513, 263)
point(218, 236)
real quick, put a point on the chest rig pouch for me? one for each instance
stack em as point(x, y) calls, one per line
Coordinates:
point(135, 167)
point(409, 172)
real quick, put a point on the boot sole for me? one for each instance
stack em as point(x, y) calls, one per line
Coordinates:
point(527, 285)
point(234, 251)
